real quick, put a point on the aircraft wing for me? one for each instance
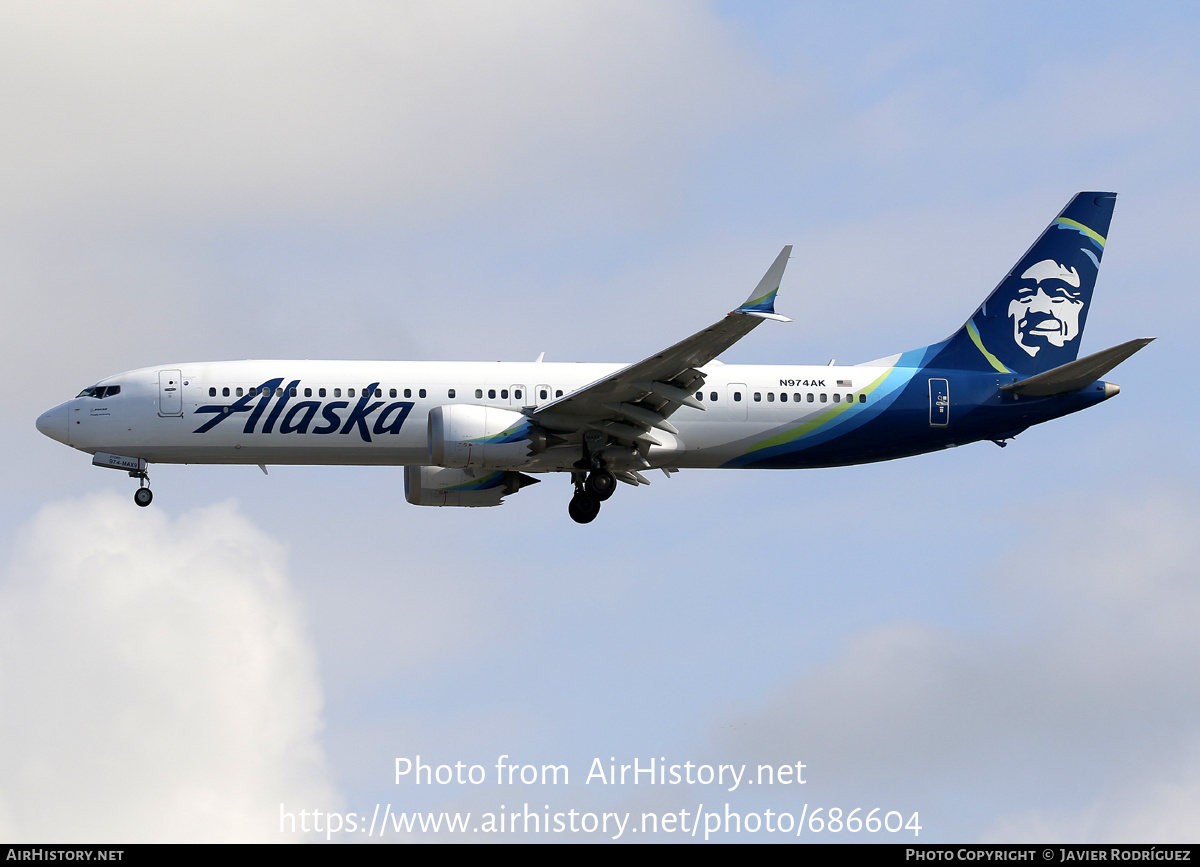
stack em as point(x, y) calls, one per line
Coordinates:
point(626, 404)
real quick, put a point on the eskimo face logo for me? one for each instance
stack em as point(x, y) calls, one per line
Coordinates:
point(1047, 307)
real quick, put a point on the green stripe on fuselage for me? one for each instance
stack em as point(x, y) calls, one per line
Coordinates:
point(822, 419)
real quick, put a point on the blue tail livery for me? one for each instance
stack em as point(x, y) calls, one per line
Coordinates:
point(1033, 321)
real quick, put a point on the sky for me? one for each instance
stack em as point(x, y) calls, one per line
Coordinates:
point(1000, 641)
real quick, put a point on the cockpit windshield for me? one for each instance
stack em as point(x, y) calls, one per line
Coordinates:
point(100, 391)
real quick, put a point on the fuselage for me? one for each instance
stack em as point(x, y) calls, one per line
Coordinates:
point(376, 412)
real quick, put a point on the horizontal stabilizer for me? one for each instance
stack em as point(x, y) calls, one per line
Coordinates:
point(1075, 375)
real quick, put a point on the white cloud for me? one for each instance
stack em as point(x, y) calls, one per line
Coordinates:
point(1162, 806)
point(156, 680)
point(303, 109)
point(1078, 680)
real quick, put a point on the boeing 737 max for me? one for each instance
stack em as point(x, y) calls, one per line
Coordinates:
point(471, 433)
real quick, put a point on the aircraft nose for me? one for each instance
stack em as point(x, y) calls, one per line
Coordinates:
point(53, 423)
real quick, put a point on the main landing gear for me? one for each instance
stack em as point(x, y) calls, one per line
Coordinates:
point(583, 507)
point(143, 496)
point(594, 483)
point(600, 484)
point(591, 490)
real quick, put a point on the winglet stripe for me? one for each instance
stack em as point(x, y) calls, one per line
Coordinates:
point(762, 299)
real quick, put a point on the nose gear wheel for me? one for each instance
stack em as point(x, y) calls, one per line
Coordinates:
point(143, 496)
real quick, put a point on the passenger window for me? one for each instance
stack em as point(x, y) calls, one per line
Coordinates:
point(421, 393)
point(212, 392)
point(770, 397)
point(558, 392)
point(308, 392)
point(379, 392)
point(504, 393)
point(849, 398)
point(862, 398)
point(291, 392)
point(391, 392)
point(320, 392)
point(758, 397)
point(517, 394)
point(337, 392)
point(224, 391)
point(450, 394)
point(478, 393)
point(239, 391)
point(810, 397)
point(699, 395)
point(491, 394)
point(797, 397)
point(712, 395)
point(783, 396)
point(279, 392)
point(824, 398)
point(543, 394)
point(737, 397)
point(837, 398)
point(349, 392)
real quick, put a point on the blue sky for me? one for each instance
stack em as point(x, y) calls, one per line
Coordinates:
point(998, 639)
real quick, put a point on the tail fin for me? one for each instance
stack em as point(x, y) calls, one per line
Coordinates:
point(1033, 320)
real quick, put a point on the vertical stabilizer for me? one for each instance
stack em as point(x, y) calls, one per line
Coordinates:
point(1034, 319)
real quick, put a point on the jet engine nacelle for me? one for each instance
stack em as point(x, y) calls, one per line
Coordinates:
point(470, 436)
point(436, 486)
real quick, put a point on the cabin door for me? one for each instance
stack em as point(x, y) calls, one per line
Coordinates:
point(170, 393)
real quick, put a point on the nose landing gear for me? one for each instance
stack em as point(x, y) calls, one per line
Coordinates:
point(136, 467)
point(143, 496)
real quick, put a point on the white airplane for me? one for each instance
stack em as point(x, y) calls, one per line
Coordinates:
point(471, 433)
